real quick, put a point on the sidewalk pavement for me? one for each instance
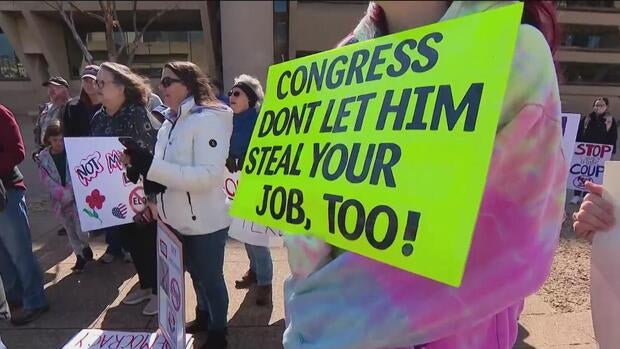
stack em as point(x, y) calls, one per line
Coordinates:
point(93, 300)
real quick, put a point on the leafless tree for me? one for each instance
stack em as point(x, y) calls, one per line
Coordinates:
point(125, 53)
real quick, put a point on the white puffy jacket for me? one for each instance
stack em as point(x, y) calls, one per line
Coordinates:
point(190, 158)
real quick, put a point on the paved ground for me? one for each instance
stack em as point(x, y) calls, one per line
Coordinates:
point(92, 300)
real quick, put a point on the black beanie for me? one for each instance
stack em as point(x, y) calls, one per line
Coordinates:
point(252, 97)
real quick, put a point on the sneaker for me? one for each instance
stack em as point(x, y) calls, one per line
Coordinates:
point(80, 263)
point(152, 307)
point(576, 200)
point(263, 296)
point(246, 281)
point(107, 258)
point(137, 296)
point(87, 252)
point(127, 257)
point(26, 316)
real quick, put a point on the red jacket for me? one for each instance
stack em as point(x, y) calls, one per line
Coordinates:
point(12, 150)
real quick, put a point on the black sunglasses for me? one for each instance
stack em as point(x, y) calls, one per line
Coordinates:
point(167, 81)
point(235, 93)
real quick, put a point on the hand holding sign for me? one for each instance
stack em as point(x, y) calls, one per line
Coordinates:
point(348, 141)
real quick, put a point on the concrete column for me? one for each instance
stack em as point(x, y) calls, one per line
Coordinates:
point(247, 39)
point(51, 38)
point(213, 64)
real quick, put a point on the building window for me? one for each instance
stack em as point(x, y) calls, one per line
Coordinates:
point(593, 37)
point(591, 73)
point(585, 4)
point(10, 67)
point(280, 31)
point(156, 48)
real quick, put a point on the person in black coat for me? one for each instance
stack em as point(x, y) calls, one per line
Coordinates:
point(592, 129)
point(80, 110)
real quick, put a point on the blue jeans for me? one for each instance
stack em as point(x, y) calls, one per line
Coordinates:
point(20, 270)
point(114, 239)
point(204, 259)
point(260, 263)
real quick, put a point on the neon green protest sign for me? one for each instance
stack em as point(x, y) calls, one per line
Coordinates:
point(382, 148)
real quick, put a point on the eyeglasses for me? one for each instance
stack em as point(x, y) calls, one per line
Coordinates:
point(234, 93)
point(100, 83)
point(167, 81)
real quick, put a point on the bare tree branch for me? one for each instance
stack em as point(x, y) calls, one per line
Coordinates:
point(135, 16)
point(59, 7)
point(93, 15)
point(131, 50)
point(117, 23)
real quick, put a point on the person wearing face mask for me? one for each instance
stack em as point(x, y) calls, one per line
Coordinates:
point(187, 170)
point(80, 110)
point(339, 299)
point(592, 129)
point(245, 98)
point(52, 111)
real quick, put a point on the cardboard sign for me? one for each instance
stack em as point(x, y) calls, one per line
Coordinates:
point(102, 339)
point(570, 125)
point(103, 194)
point(246, 231)
point(171, 287)
point(588, 164)
point(382, 147)
point(605, 271)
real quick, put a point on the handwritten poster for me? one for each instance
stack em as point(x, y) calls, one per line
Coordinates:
point(102, 339)
point(570, 125)
point(247, 231)
point(359, 146)
point(171, 286)
point(103, 194)
point(588, 164)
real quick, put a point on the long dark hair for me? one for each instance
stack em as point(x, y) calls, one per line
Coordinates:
point(195, 80)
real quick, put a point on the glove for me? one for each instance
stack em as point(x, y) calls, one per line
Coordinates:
point(133, 175)
point(141, 159)
point(231, 164)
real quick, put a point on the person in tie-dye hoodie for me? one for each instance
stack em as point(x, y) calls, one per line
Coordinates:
point(341, 300)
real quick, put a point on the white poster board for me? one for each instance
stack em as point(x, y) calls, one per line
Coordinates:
point(103, 194)
point(243, 230)
point(570, 125)
point(171, 287)
point(102, 339)
point(588, 164)
point(605, 269)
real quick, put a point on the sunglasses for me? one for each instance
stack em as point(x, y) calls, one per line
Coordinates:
point(167, 81)
point(234, 93)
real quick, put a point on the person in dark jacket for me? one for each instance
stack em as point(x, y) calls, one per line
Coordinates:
point(246, 97)
point(19, 268)
point(611, 124)
point(592, 129)
point(124, 96)
point(80, 110)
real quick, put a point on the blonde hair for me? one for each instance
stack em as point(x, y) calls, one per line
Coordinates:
point(137, 89)
point(254, 84)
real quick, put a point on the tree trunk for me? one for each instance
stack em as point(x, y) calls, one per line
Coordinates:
point(109, 36)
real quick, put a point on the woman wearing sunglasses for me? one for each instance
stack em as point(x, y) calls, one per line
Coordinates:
point(246, 97)
point(191, 151)
point(124, 95)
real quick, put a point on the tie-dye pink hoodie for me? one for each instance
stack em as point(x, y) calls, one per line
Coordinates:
point(346, 301)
